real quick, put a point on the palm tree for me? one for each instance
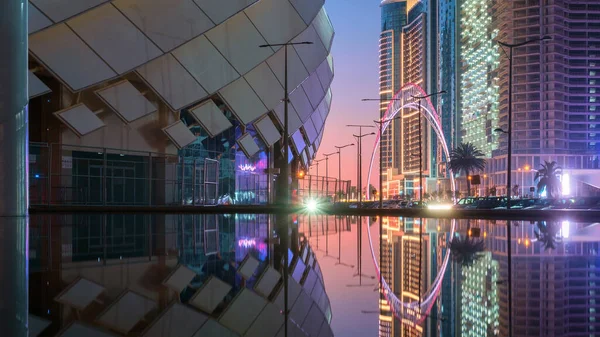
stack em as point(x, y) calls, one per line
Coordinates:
point(547, 233)
point(548, 177)
point(466, 158)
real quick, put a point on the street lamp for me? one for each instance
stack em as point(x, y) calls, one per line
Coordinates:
point(380, 125)
point(421, 141)
point(327, 155)
point(339, 152)
point(359, 159)
point(284, 181)
point(508, 132)
point(317, 162)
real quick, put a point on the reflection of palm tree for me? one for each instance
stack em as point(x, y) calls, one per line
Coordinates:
point(466, 157)
point(548, 234)
point(547, 177)
point(466, 250)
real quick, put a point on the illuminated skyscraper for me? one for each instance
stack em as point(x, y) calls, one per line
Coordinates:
point(393, 19)
point(408, 54)
point(478, 80)
point(555, 88)
point(479, 298)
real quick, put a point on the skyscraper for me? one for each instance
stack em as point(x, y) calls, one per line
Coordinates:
point(408, 54)
point(128, 97)
point(555, 88)
point(478, 80)
point(393, 19)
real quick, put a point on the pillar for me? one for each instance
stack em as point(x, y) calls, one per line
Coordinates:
point(14, 199)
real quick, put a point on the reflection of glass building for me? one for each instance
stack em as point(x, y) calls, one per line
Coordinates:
point(479, 298)
point(160, 270)
point(137, 102)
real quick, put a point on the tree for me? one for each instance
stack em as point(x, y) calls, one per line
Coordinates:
point(547, 233)
point(466, 158)
point(372, 191)
point(548, 177)
point(426, 196)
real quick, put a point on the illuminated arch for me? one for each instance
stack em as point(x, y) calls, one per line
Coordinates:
point(416, 311)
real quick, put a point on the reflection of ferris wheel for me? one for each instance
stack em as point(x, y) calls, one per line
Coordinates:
point(413, 311)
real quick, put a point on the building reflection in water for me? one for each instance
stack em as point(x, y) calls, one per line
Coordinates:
point(169, 275)
point(556, 288)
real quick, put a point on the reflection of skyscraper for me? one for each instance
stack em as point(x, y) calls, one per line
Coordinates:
point(390, 244)
point(479, 298)
point(555, 291)
point(413, 269)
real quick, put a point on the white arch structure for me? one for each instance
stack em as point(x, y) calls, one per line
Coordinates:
point(416, 311)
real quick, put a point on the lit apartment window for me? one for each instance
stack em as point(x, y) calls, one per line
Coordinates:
point(592, 73)
point(592, 90)
point(592, 99)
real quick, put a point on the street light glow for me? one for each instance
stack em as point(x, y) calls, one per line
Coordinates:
point(312, 205)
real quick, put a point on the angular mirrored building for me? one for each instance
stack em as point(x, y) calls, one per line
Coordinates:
point(172, 102)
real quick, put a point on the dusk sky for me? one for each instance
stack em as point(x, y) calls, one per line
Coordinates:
point(355, 54)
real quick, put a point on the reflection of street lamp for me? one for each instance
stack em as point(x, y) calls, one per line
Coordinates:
point(509, 163)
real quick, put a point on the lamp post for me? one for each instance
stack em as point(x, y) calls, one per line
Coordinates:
point(327, 155)
point(508, 132)
point(359, 158)
point(317, 162)
point(421, 141)
point(339, 152)
point(380, 124)
point(283, 185)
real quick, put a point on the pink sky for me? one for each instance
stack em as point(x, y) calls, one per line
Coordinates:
point(355, 53)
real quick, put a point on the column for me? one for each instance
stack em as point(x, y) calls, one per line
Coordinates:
point(13, 169)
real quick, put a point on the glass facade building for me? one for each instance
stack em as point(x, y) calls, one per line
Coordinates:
point(134, 115)
point(393, 19)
